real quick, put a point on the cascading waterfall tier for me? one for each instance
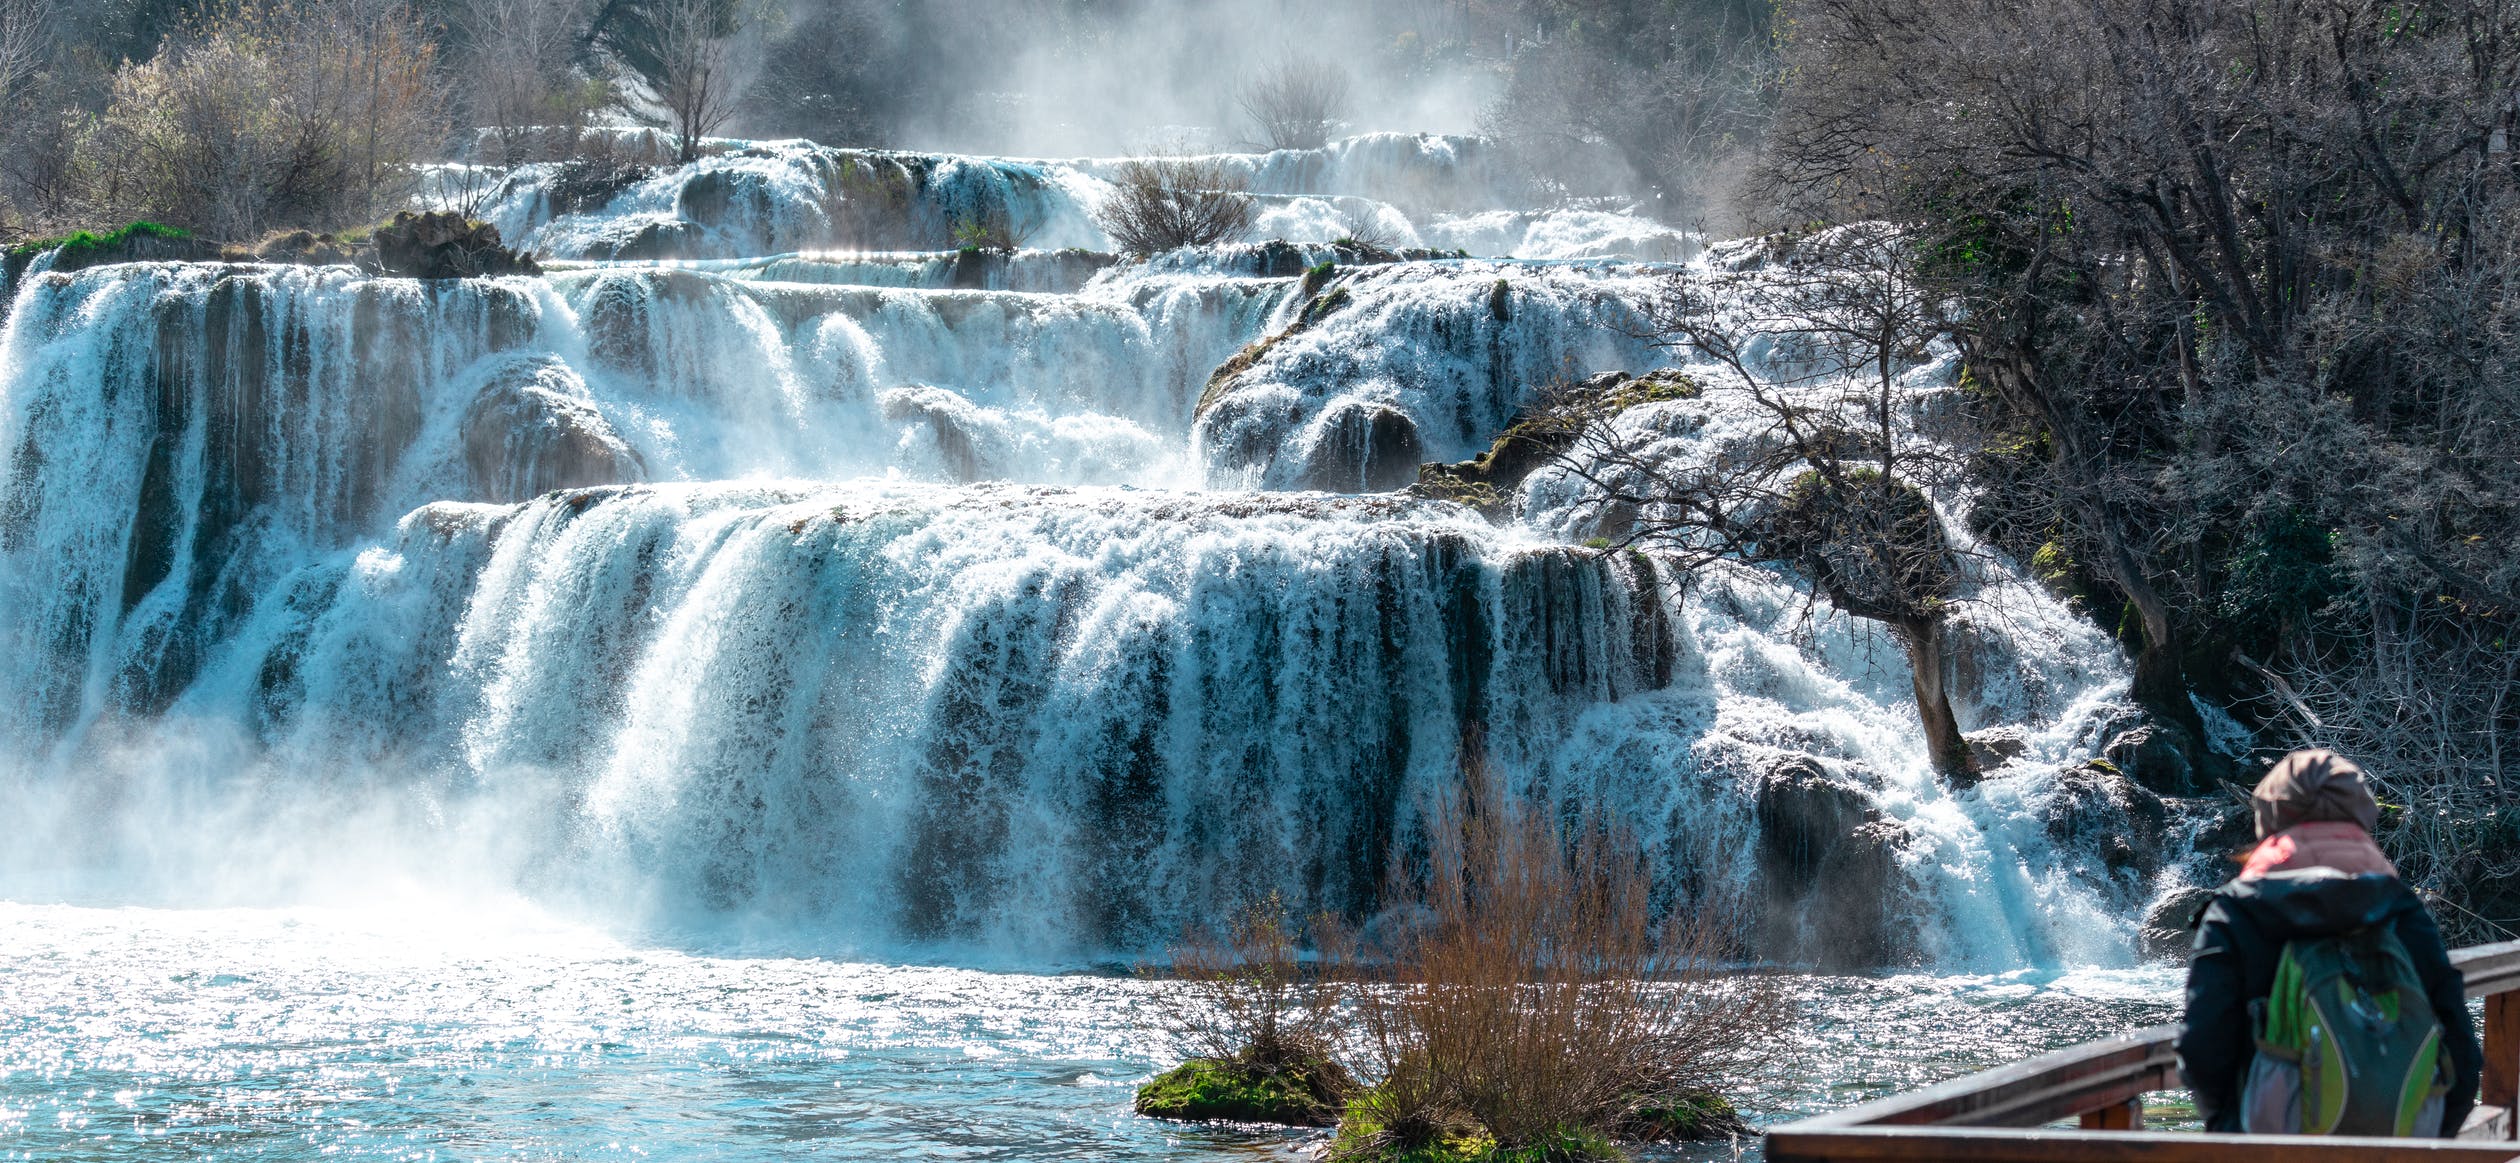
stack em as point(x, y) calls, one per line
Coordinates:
point(1028, 603)
point(765, 198)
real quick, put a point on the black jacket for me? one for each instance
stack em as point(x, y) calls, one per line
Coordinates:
point(2241, 934)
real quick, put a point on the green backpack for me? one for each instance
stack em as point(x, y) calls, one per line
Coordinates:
point(2347, 1043)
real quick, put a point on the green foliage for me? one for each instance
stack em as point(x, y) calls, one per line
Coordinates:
point(83, 245)
point(1596, 543)
point(1322, 305)
point(2282, 570)
point(1211, 1088)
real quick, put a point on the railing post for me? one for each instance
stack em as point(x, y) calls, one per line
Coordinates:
point(2502, 1053)
point(2117, 1116)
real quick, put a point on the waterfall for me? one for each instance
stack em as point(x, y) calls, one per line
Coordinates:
point(784, 580)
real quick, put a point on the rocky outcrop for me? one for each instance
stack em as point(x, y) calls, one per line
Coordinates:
point(1997, 746)
point(1830, 867)
point(2160, 755)
point(1222, 381)
point(1364, 448)
point(525, 436)
point(437, 245)
point(305, 248)
point(2170, 921)
point(2097, 808)
point(1543, 431)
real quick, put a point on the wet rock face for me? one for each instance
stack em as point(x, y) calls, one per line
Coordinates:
point(2098, 808)
point(1996, 746)
point(1365, 448)
point(2170, 923)
point(2159, 755)
point(445, 246)
point(1830, 868)
point(524, 437)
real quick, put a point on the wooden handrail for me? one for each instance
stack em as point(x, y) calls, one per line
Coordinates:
point(1978, 1145)
point(2029, 1093)
point(1989, 1116)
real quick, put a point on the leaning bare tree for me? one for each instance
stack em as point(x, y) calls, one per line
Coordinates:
point(1828, 482)
point(1296, 101)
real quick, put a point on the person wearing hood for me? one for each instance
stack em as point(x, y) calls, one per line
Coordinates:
point(2314, 873)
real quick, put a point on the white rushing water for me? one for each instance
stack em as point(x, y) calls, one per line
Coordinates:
point(912, 604)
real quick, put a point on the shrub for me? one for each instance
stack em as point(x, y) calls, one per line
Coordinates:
point(1164, 203)
point(1263, 1030)
point(1538, 997)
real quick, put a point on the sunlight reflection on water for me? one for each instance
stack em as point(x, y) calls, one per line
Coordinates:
point(156, 1034)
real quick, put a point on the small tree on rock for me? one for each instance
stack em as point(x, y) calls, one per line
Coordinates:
point(1166, 202)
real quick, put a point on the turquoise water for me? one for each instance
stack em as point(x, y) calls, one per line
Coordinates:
point(414, 1033)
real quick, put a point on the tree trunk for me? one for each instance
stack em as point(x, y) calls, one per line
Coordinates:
point(1923, 638)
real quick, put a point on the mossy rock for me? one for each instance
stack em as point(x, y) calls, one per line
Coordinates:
point(1362, 1140)
point(1305, 1095)
point(1322, 306)
point(136, 242)
point(1682, 1117)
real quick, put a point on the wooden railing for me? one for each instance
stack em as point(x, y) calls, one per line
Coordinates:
point(2003, 1115)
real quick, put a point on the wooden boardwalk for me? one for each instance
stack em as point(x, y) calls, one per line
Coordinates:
point(2005, 1115)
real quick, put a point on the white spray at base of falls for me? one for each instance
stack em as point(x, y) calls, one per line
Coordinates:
point(811, 599)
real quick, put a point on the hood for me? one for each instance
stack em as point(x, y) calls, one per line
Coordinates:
point(2319, 902)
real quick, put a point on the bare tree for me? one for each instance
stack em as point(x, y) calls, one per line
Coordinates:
point(696, 72)
point(1296, 101)
point(1169, 201)
point(520, 86)
point(1830, 484)
point(304, 116)
point(25, 39)
point(25, 33)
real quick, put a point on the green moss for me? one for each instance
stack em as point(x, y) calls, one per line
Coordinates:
point(1322, 305)
point(1363, 1138)
point(1596, 543)
point(1319, 276)
point(83, 245)
point(1206, 1088)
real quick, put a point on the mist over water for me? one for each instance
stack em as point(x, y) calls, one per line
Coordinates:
point(713, 638)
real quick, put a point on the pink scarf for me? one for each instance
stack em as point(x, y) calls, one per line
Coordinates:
point(2337, 844)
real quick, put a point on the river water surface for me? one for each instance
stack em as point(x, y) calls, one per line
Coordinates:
point(407, 1033)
